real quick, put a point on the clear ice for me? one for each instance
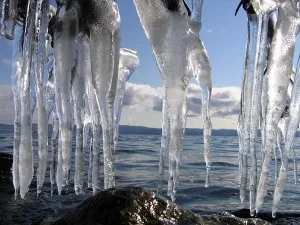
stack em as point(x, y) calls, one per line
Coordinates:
point(104, 25)
point(266, 96)
point(180, 54)
point(129, 62)
point(277, 81)
point(41, 39)
point(65, 54)
point(9, 18)
point(25, 149)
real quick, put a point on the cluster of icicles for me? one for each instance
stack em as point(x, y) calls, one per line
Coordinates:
point(77, 47)
point(270, 96)
point(87, 74)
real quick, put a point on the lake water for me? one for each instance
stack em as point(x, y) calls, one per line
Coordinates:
point(137, 164)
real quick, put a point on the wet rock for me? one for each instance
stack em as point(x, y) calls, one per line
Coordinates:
point(135, 205)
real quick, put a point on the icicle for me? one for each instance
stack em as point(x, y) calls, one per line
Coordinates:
point(277, 80)
point(90, 110)
point(165, 141)
point(78, 90)
point(96, 146)
point(105, 45)
point(25, 150)
point(49, 95)
point(201, 69)
point(294, 105)
point(16, 79)
point(65, 51)
point(9, 18)
point(196, 22)
point(246, 101)
point(272, 24)
point(41, 32)
point(171, 37)
point(129, 61)
point(54, 148)
point(260, 65)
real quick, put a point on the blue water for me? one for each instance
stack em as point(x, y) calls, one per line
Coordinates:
point(137, 164)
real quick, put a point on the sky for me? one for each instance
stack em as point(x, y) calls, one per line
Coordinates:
point(224, 36)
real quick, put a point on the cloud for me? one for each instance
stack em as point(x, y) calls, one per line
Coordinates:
point(209, 30)
point(147, 100)
point(225, 102)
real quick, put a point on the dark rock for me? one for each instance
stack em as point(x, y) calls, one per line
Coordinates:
point(6, 161)
point(135, 205)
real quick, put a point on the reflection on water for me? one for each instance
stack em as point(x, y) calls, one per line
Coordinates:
point(137, 159)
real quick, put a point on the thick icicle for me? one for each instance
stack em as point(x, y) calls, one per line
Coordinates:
point(294, 105)
point(104, 23)
point(65, 51)
point(169, 39)
point(16, 79)
point(41, 32)
point(244, 124)
point(78, 90)
point(129, 61)
point(9, 18)
point(277, 80)
point(25, 151)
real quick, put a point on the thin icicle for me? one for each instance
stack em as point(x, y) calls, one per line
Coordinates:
point(9, 18)
point(78, 90)
point(49, 95)
point(165, 140)
point(246, 100)
point(25, 152)
point(41, 32)
point(129, 62)
point(65, 51)
point(54, 148)
point(90, 110)
point(201, 69)
point(272, 24)
point(16, 79)
point(277, 80)
point(260, 65)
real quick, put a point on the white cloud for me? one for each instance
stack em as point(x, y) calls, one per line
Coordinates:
point(143, 104)
point(225, 101)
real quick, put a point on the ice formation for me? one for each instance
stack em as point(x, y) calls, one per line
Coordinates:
point(80, 90)
point(180, 54)
point(271, 42)
point(84, 91)
point(129, 62)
